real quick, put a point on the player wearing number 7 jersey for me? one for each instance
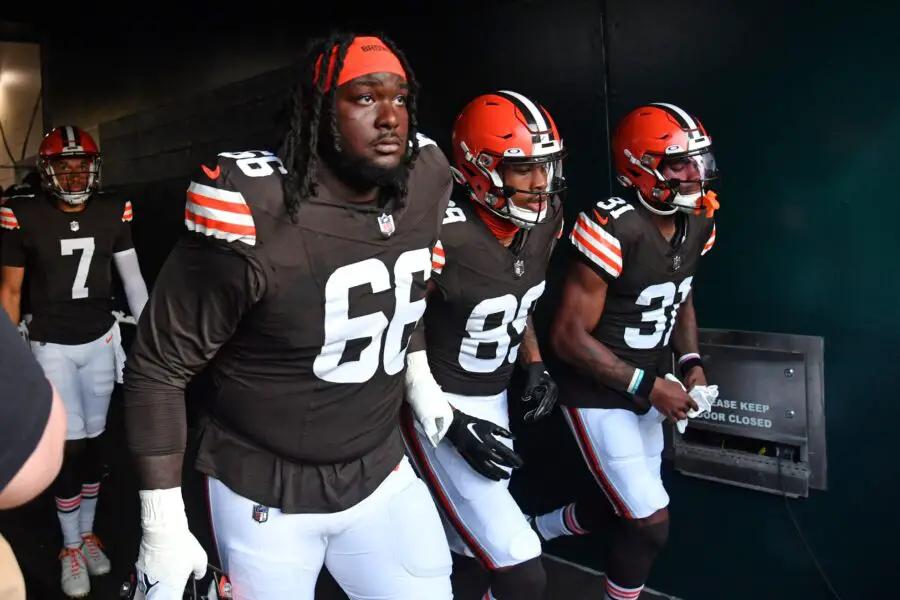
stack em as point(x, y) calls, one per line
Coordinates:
point(489, 271)
point(66, 237)
point(614, 327)
point(298, 284)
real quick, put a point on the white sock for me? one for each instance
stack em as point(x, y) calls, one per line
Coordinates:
point(558, 523)
point(68, 509)
point(89, 493)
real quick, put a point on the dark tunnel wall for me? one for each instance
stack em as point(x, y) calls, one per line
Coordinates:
point(802, 116)
point(804, 120)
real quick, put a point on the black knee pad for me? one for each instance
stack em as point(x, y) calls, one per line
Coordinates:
point(68, 483)
point(633, 550)
point(94, 454)
point(524, 581)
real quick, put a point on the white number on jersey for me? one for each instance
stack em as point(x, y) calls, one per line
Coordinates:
point(514, 313)
point(611, 204)
point(453, 214)
point(341, 328)
point(68, 248)
point(662, 317)
point(256, 163)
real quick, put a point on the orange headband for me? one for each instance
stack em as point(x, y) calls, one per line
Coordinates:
point(364, 55)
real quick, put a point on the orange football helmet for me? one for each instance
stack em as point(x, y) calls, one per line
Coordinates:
point(59, 174)
point(666, 154)
point(501, 129)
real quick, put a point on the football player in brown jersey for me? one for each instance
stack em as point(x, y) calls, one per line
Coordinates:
point(298, 285)
point(65, 238)
point(636, 259)
point(488, 273)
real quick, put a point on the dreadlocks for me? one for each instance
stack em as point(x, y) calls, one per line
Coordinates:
point(309, 102)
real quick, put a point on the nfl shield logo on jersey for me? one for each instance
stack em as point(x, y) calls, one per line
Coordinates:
point(74, 226)
point(519, 267)
point(260, 513)
point(676, 262)
point(386, 224)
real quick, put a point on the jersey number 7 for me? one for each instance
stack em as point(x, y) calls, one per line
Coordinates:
point(68, 248)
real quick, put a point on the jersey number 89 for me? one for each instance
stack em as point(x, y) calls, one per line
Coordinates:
point(341, 328)
point(505, 348)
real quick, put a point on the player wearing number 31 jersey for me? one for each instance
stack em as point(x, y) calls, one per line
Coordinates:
point(489, 270)
point(626, 303)
point(299, 282)
point(66, 238)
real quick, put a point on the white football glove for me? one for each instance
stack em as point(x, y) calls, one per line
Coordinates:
point(169, 552)
point(425, 397)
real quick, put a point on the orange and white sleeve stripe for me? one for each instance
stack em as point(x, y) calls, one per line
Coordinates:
point(438, 259)
point(8, 218)
point(710, 242)
point(218, 213)
point(597, 244)
point(128, 214)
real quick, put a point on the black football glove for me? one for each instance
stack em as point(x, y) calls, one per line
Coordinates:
point(541, 390)
point(474, 440)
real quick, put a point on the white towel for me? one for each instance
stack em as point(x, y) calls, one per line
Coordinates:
point(703, 395)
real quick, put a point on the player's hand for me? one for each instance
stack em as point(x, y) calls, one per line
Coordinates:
point(475, 440)
point(670, 399)
point(695, 377)
point(169, 552)
point(541, 390)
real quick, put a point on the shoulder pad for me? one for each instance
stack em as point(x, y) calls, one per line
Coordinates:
point(8, 218)
point(216, 206)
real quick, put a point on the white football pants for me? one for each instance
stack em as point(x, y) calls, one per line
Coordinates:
point(481, 517)
point(84, 376)
point(390, 546)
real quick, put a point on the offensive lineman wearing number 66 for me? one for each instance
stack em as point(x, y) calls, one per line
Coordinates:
point(300, 282)
point(635, 263)
point(66, 238)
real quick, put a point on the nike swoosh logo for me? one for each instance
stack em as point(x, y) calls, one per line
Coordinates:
point(212, 174)
point(471, 428)
point(147, 583)
point(603, 220)
point(109, 339)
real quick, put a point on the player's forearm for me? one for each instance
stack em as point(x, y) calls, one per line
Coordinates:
point(529, 352)
point(579, 348)
point(156, 433)
point(684, 337)
point(12, 303)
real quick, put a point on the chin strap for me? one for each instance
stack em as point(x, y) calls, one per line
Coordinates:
point(501, 228)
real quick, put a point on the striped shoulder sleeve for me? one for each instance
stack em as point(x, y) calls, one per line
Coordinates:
point(128, 212)
point(596, 242)
point(438, 259)
point(8, 218)
point(710, 241)
point(215, 208)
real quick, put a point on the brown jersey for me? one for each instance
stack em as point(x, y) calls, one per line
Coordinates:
point(474, 325)
point(305, 325)
point(67, 258)
point(649, 278)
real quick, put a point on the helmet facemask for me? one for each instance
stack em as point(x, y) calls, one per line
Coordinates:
point(71, 177)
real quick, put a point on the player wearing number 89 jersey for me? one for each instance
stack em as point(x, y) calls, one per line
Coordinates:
point(626, 303)
point(66, 238)
point(489, 270)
